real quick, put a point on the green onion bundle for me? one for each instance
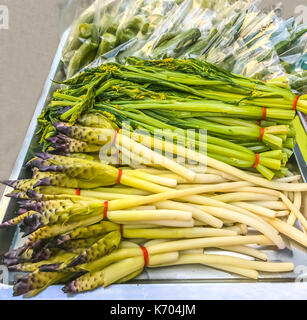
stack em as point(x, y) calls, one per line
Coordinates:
point(248, 122)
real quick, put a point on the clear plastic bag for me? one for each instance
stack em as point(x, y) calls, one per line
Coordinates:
point(245, 47)
point(109, 27)
point(294, 59)
point(235, 35)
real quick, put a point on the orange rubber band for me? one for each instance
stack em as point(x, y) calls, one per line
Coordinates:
point(105, 210)
point(295, 102)
point(256, 161)
point(120, 173)
point(146, 256)
point(263, 113)
point(261, 134)
point(115, 135)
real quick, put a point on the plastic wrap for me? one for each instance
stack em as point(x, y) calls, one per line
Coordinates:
point(294, 59)
point(235, 35)
point(244, 46)
point(109, 27)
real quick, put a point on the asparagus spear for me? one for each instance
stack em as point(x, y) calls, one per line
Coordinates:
point(102, 247)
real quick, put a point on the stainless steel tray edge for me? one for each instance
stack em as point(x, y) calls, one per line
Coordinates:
point(179, 291)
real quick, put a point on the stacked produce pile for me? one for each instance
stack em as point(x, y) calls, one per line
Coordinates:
point(91, 224)
point(248, 121)
point(235, 35)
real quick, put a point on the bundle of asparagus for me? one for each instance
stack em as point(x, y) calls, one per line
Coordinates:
point(70, 241)
point(248, 121)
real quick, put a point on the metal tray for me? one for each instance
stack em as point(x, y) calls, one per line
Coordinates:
point(178, 282)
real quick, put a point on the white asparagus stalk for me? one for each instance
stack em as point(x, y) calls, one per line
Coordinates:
point(123, 190)
point(222, 174)
point(273, 205)
point(121, 269)
point(293, 209)
point(240, 228)
point(192, 251)
point(244, 196)
point(207, 242)
point(247, 251)
point(199, 178)
point(236, 262)
point(288, 179)
point(196, 212)
point(297, 203)
point(163, 258)
point(289, 231)
point(176, 233)
point(263, 191)
point(198, 223)
point(185, 194)
point(163, 223)
point(153, 156)
point(262, 211)
point(144, 208)
point(148, 215)
point(260, 226)
point(282, 213)
point(139, 226)
point(218, 165)
point(305, 204)
point(163, 181)
point(233, 208)
point(248, 273)
point(190, 259)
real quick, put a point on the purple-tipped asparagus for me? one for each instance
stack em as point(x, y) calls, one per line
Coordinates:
point(63, 144)
point(17, 195)
point(22, 185)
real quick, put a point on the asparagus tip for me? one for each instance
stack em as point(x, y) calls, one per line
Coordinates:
point(43, 155)
point(21, 286)
point(10, 183)
point(50, 267)
point(6, 224)
point(70, 287)
point(34, 195)
point(42, 183)
point(12, 194)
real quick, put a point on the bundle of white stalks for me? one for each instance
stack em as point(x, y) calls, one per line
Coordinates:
point(183, 210)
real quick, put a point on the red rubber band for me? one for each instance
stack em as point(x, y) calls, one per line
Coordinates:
point(115, 135)
point(121, 229)
point(105, 210)
point(146, 256)
point(78, 192)
point(256, 161)
point(261, 134)
point(295, 102)
point(120, 173)
point(263, 113)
